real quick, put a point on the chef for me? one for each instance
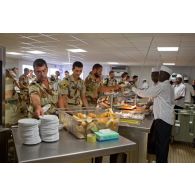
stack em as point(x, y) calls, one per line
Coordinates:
point(163, 95)
point(179, 92)
point(151, 136)
point(189, 91)
point(144, 84)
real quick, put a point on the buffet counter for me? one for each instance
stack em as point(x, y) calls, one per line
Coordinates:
point(69, 149)
point(139, 134)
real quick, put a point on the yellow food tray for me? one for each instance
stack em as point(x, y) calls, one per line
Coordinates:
point(130, 121)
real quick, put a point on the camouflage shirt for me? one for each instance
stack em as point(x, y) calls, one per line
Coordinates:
point(23, 79)
point(92, 84)
point(110, 82)
point(47, 96)
point(73, 89)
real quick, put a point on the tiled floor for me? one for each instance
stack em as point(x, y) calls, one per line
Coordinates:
point(181, 153)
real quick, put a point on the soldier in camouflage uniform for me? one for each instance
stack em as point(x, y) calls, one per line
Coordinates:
point(41, 91)
point(111, 81)
point(94, 85)
point(24, 95)
point(11, 100)
point(73, 87)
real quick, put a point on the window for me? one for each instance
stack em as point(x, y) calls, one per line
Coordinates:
point(51, 71)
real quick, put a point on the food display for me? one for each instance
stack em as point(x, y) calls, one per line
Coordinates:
point(81, 123)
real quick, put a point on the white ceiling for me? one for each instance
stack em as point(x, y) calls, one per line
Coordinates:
point(127, 49)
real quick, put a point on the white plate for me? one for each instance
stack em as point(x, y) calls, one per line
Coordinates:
point(46, 107)
point(28, 122)
point(49, 118)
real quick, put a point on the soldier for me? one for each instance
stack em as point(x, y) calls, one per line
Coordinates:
point(73, 87)
point(66, 74)
point(24, 95)
point(11, 99)
point(94, 85)
point(41, 91)
point(111, 81)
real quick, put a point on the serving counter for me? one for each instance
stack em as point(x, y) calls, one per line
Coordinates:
point(69, 149)
point(138, 133)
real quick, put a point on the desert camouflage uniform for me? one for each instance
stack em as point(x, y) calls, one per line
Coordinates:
point(92, 84)
point(47, 96)
point(11, 102)
point(110, 82)
point(24, 95)
point(73, 89)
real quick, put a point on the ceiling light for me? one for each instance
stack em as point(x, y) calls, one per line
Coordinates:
point(112, 63)
point(13, 53)
point(76, 50)
point(169, 64)
point(167, 48)
point(36, 52)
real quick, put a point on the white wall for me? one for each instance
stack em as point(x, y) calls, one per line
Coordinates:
point(142, 73)
point(11, 63)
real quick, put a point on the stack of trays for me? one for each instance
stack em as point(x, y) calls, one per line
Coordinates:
point(29, 131)
point(49, 128)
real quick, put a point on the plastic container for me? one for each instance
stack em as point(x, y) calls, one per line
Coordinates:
point(82, 122)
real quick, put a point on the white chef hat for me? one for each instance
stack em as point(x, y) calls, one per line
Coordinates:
point(185, 78)
point(155, 69)
point(166, 69)
point(179, 76)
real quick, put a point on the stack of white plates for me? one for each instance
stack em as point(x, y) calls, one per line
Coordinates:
point(29, 131)
point(49, 128)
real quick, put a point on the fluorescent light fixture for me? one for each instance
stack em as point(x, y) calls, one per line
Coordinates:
point(112, 63)
point(167, 48)
point(14, 53)
point(36, 52)
point(169, 64)
point(76, 50)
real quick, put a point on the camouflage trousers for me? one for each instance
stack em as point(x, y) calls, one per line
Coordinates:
point(11, 112)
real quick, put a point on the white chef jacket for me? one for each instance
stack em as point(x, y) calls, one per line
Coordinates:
point(163, 95)
point(189, 93)
point(145, 86)
point(180, 90)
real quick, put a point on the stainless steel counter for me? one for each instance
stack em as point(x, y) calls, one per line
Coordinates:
point(138, 134)
point(143, 126)
point(68, 149)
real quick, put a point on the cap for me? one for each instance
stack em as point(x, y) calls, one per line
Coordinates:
point(185, 78)
point(166, 69)
point(179, 76)
point(155, 69)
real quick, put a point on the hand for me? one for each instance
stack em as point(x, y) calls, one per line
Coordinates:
point(39, 111)
point(117, 87)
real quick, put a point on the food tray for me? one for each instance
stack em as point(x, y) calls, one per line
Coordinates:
point(82, 122)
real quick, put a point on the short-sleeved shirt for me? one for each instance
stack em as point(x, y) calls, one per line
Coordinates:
point(73, 89)
point(47, 96)
point(92, 84)
point(110, 82)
